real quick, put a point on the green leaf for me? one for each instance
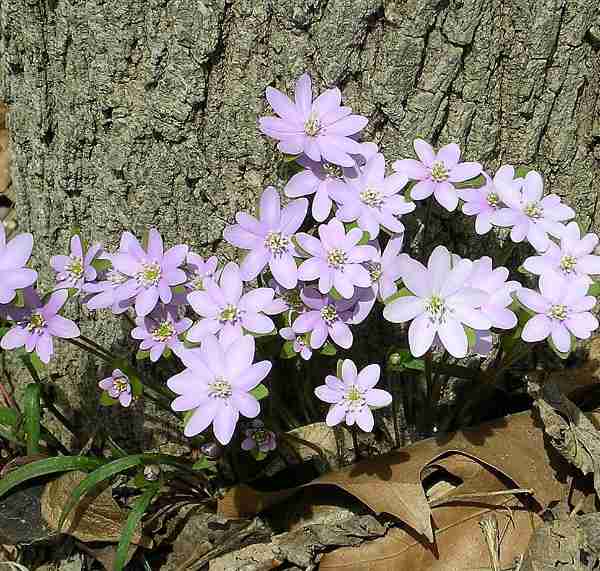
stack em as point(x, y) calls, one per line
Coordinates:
point(32, 412)
point(133, 519)
point(96, 477)
point(167, 353)
point(179, 289)
point(522, 171)
point(594, 289)
point(8, 416)
point(106, 400)
point(328, 349)
point(142, 355)
point(4, 331)
point(365, 239)
point(258, 455)
point(260, 392)
point(205, 464)
point(287, 350)
point(471, 336)
point(101, 265)
point(335, 294)
point(402, 292)
point(289, 158)
point(415, 365)
point(401, 359)
point(45, 467)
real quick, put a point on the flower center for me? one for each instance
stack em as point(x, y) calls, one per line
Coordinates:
point(36, 323)
point(329, 314)
point(75, 267)
point(534, 210)
point(375, 271)
point(435, 307)
point(558, 311)
point(220, 388)
point(116, 277)
point(150, 274)
point(230, 314)
point(372, 197)
point(312, 125)
point(121, 384)
point(336, 258)
point(439, 172)
point(493, 199)
point(333, 171)
point(354, 398)
point(568, 263)
point(164, 331)
point(277, 243)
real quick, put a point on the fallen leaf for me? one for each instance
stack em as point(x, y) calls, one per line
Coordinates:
point(393, 483)
point(97, 517)
point(571, 432)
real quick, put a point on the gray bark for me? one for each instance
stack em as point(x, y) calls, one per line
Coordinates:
point(126, 114)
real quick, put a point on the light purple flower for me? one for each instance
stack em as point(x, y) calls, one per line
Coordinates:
point(386, 269)
point(226, 310)
point(499, 291)
point(159, 330)
point(562, 308)
point(216, 385)
point(198, 270)
point(13, 257)
point(320, 179)
point(336, 258)
point(436, 173)
point(321, 129)
point(442, 304)
point(74, 270)
point(299, 342)
point(484, 202)
point(150, 273)
point(531, 216)
point(118, 387)
point(373, 199)
point(353, 396)
point(270, 238)
point(326, 317)
point(259, 438)
point(38, 323)
point(572, 260)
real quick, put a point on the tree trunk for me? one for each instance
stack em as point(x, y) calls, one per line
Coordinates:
point(126, 114)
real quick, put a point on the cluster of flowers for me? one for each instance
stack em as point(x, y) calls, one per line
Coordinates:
point(316, 284)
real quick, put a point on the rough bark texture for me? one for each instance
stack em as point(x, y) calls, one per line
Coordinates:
point(126, 114)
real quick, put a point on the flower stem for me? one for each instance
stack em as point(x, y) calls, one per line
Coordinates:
point(89, 349)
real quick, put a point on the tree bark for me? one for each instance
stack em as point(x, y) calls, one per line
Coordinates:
point(126, 114)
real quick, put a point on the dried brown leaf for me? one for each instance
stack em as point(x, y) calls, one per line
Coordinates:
point(571, 432)
point(511, 449)
point(97, 517)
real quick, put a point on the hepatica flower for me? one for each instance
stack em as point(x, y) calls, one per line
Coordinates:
point(531, 216)
point(151, 272)
point(227, 310)
point(484, 202)
point(259, 438)
point(38, 323)
point(336, 258)
point(373, 199)
point(284, 299)
point(160, 330)
point(325, 317)
point(299, 342)
point(216, 385)
point(573, 259)
point(320, 179)
point(385, 269)
point(117, 386)
point(437, 173)
point(13, 257)
point(270, 238)
point(563, 309)
point(74, 270)
point(441, 304)
point(321, 129)
point(199, 270)
point(353, 396)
